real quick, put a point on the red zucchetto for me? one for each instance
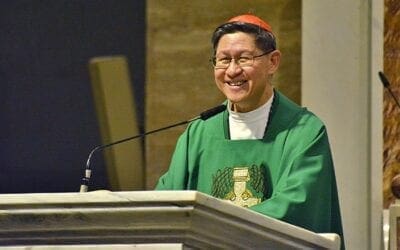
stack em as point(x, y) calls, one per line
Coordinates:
point(249, 18)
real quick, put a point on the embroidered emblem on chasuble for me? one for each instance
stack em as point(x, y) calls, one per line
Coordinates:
point(243, 186)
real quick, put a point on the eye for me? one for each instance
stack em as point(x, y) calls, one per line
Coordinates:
point(224, 60)
point(244, 59)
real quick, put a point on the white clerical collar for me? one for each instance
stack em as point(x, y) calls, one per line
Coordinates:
point(249, 125)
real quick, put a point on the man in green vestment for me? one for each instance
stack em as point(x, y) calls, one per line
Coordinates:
point(264, 152)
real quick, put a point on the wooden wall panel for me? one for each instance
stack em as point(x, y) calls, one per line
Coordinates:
point(391, 113)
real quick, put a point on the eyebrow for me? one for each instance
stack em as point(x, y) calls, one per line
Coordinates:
point(238, 53)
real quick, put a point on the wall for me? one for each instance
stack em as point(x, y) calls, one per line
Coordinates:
point(342, 53)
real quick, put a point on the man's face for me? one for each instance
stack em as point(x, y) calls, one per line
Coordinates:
point(247, 87)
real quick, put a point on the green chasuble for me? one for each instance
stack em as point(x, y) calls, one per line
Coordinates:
point(287, 175)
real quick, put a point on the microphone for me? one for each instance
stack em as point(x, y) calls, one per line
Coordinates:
point(386, 84)
point(204, 116)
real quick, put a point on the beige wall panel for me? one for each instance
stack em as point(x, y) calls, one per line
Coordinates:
point(179, 78)
point(342, 52)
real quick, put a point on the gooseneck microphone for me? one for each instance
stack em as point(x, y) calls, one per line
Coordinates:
point(88, 172)
point(386, 84)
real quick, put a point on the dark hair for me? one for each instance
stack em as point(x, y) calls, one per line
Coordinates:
point(264, 40)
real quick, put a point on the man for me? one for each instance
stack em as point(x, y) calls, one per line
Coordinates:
point(264, 152)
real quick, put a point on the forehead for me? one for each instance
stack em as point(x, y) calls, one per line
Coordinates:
point(238, 41)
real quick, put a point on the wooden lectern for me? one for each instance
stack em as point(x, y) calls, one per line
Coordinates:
point(144, 220)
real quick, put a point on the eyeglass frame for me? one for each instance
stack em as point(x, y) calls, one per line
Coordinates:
point(214, 62)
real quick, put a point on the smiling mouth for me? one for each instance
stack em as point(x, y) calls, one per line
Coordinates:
point(236, 83)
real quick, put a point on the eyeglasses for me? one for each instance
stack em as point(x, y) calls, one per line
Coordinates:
point(243, 61)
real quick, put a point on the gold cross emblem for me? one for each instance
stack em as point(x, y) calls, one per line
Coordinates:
point(240, 195)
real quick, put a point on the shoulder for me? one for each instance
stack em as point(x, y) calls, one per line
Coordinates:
point(292, 122)
point(298, 128)
point(290, 113)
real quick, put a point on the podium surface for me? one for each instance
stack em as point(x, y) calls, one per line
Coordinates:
point(144, 220)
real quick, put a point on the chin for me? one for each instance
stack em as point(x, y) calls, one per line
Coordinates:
point(236, 99)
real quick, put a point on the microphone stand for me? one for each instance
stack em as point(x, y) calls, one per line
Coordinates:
point(88, 172)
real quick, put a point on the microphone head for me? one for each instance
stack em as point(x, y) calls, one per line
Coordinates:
point(384, 80)
point(211, 112)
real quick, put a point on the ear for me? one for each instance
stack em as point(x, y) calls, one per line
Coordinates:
point(274, 60)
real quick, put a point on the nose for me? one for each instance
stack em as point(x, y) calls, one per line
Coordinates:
point(233, 68)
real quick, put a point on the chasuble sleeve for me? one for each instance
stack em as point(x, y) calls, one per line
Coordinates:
point(176, 176)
